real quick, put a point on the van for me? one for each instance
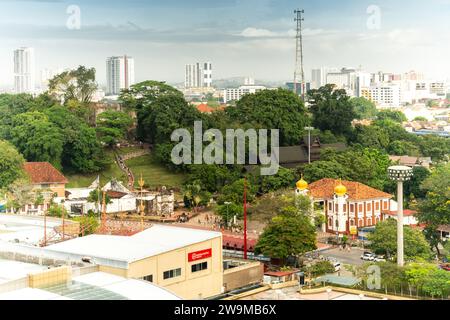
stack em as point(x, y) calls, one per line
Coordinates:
point(337, 266)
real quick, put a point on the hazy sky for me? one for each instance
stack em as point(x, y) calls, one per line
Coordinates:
point(240, 37)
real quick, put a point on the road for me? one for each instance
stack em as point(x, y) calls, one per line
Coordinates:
point(351, 257)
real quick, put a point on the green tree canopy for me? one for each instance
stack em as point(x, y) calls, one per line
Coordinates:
point(77, 84)
point(364, 109)
point(434, 210)
point(112, 126)
point(272, 109)
point(384, 241)
point(37, 138)
point(11, 164)
point(81, 150)
point(393, 115)
point(287, 236)
point(332, 110)
point(141, 98)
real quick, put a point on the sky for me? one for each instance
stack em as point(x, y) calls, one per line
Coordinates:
point(240, 37)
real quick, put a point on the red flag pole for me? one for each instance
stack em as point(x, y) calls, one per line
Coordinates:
point(245, 218)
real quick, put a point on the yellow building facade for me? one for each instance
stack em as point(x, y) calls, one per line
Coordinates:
point(191, 268)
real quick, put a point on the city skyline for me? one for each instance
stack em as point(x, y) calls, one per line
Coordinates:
point(238, 37)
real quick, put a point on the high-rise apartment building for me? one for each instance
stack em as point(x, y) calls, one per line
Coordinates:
point(319, 77)
point(119, 74)
point(198, 75)
point(24, 70)
point(351, 80)
point(383, 95)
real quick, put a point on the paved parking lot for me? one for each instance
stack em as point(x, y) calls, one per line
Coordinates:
point(351, 257)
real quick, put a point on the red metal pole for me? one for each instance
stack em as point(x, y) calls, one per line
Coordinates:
point(245, 218)
point(45, 228)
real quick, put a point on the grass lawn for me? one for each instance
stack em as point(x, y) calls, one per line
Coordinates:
point(84, 180)
point(153, 173)
point(125, 150)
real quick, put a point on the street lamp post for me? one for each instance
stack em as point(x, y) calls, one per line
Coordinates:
point(227, 204)
point(309, 129)
point(400, 174)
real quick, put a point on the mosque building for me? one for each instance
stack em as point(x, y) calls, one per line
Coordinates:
point(346, 205)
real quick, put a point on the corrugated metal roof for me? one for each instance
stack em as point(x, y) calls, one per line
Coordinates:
point(153, 241)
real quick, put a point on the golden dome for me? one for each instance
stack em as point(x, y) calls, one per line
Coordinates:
point(340, 189)
point(302, 184)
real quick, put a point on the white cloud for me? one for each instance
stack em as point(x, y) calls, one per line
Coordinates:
point(257, 33)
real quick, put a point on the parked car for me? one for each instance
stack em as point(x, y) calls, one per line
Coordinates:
point(379, 259)
point(368, 256)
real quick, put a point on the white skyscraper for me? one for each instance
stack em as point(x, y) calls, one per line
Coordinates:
point(198, 75)
point(119, 74)
point(24, 70)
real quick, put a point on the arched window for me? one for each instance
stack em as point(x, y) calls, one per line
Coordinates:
point(330, 222)
point(369, 221)
point(360, 223)
point(352, 222)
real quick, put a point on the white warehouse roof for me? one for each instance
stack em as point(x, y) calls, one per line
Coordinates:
point(94, 286)
point(156, 240)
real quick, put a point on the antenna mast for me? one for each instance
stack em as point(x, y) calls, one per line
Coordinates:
point(299, 74)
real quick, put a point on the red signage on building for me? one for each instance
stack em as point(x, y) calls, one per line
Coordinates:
point(199, 255)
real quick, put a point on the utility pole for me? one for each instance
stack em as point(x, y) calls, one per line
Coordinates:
point(299, 74)
point(309, 129)
point(245, 218)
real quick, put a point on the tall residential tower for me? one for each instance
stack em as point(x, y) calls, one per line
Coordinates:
point(198, 75)
point(24, 70)
point(119, 74)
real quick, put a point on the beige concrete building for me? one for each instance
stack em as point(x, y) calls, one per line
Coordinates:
point(187, 262)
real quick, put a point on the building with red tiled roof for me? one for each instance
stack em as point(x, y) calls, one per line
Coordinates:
point(205, 108)
point(325, 189)
point(44, 176)
point(347, 205)
point(409, 216)
point(44, 173)
point(45, 181)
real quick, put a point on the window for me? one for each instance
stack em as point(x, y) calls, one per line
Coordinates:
point(352, 207)
point(345, 208)
point(148, 278)
point(369, 207)
point(199, 267)
point(360, 208)
point(172, 273)
point(377, 206)
point(330, 206)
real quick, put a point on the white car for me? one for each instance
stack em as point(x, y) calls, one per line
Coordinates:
point(368, 256)
point(379, 259)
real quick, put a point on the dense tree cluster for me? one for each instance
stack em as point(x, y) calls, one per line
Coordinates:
point(384, 241)
point(57, 125)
